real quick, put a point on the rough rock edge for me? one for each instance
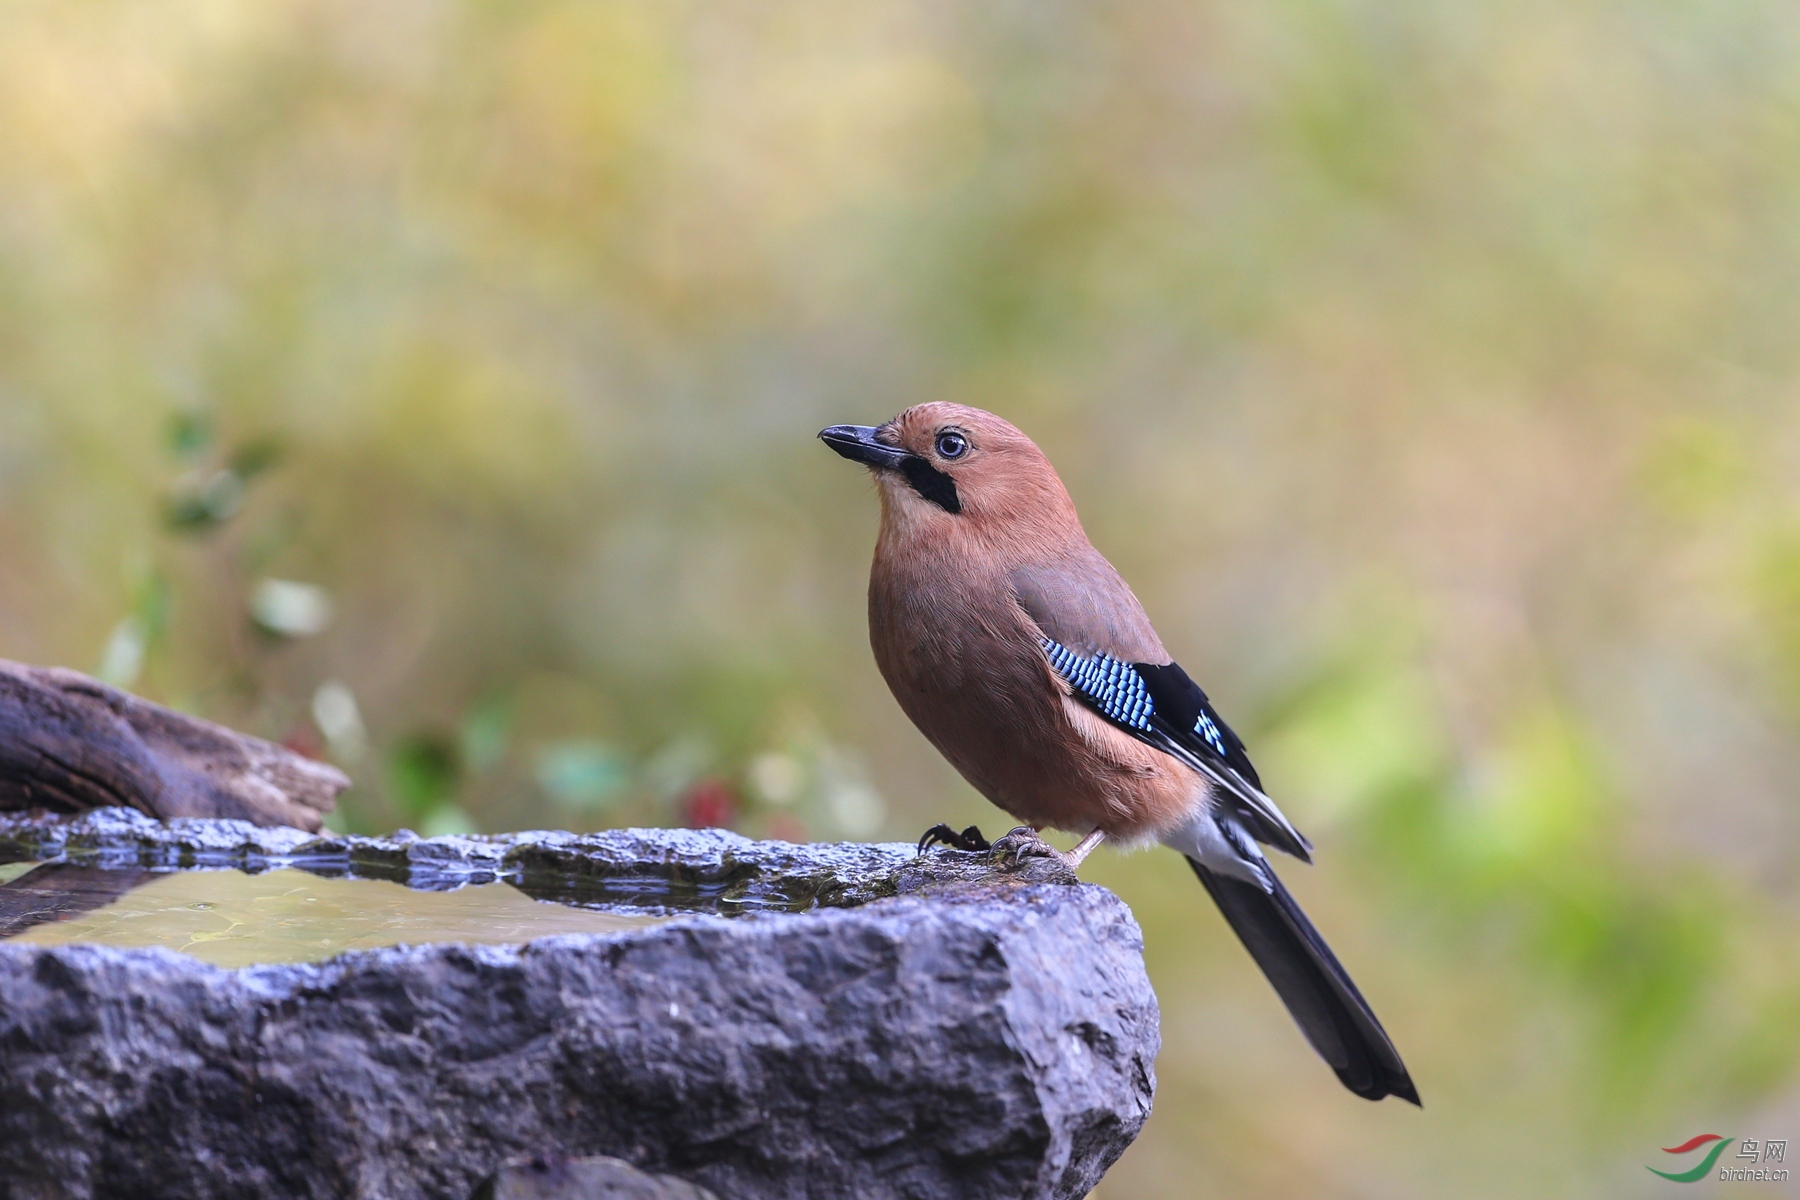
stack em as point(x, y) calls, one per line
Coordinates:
point(680, 869)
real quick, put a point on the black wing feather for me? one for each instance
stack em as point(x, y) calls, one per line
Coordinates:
point(1160, 706)
point(1183, 705)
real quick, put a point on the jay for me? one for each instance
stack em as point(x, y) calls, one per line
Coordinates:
point(1021, 654)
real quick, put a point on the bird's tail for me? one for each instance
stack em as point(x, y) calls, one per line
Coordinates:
point(1313, 984)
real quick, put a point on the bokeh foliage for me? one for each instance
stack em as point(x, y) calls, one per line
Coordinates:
point(431, 385)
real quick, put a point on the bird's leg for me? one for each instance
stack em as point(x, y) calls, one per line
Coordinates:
point(1083, 848)
point(969, 839)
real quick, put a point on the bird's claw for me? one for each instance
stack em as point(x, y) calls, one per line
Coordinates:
point(1023, 843)
point(969, 839)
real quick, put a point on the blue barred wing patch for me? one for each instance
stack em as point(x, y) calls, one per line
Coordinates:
point(1110, 685)
point(1115, 688)
point(1208, 729)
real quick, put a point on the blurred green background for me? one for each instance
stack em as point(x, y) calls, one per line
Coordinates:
point(431, 385)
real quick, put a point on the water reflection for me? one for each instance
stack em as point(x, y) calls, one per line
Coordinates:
point(33, 893)
point(232, 919)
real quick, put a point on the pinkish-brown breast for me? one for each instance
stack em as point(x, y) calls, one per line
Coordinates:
point(962, 658)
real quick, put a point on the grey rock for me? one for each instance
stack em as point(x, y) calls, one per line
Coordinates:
point(893, 1027)
point(675, 868)
point(584, 1179)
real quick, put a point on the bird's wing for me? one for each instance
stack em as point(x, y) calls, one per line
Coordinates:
point(1098, 640)
point(1162, 707)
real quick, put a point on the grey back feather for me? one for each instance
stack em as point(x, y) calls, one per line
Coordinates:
point(1078, 599)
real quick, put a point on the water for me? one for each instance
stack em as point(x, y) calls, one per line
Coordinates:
point(232, 919)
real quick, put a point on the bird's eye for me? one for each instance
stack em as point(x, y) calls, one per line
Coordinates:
point(951, 444)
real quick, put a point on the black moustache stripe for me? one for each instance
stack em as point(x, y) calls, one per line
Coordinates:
point(931, 483)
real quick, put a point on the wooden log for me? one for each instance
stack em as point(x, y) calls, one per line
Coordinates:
point(69, 742)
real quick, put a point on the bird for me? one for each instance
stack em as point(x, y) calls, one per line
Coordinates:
point(1024, 657)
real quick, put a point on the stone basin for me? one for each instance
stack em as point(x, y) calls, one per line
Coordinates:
point(807, 1021)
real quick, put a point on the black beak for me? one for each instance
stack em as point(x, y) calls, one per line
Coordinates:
point(857, 443)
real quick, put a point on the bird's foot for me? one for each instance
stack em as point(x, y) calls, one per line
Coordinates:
point(1023, 843)
point(969, 839)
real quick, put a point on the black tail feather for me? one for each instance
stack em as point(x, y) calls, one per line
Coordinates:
point(1313, 984)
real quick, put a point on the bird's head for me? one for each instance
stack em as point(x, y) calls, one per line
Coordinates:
point(957, 471)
